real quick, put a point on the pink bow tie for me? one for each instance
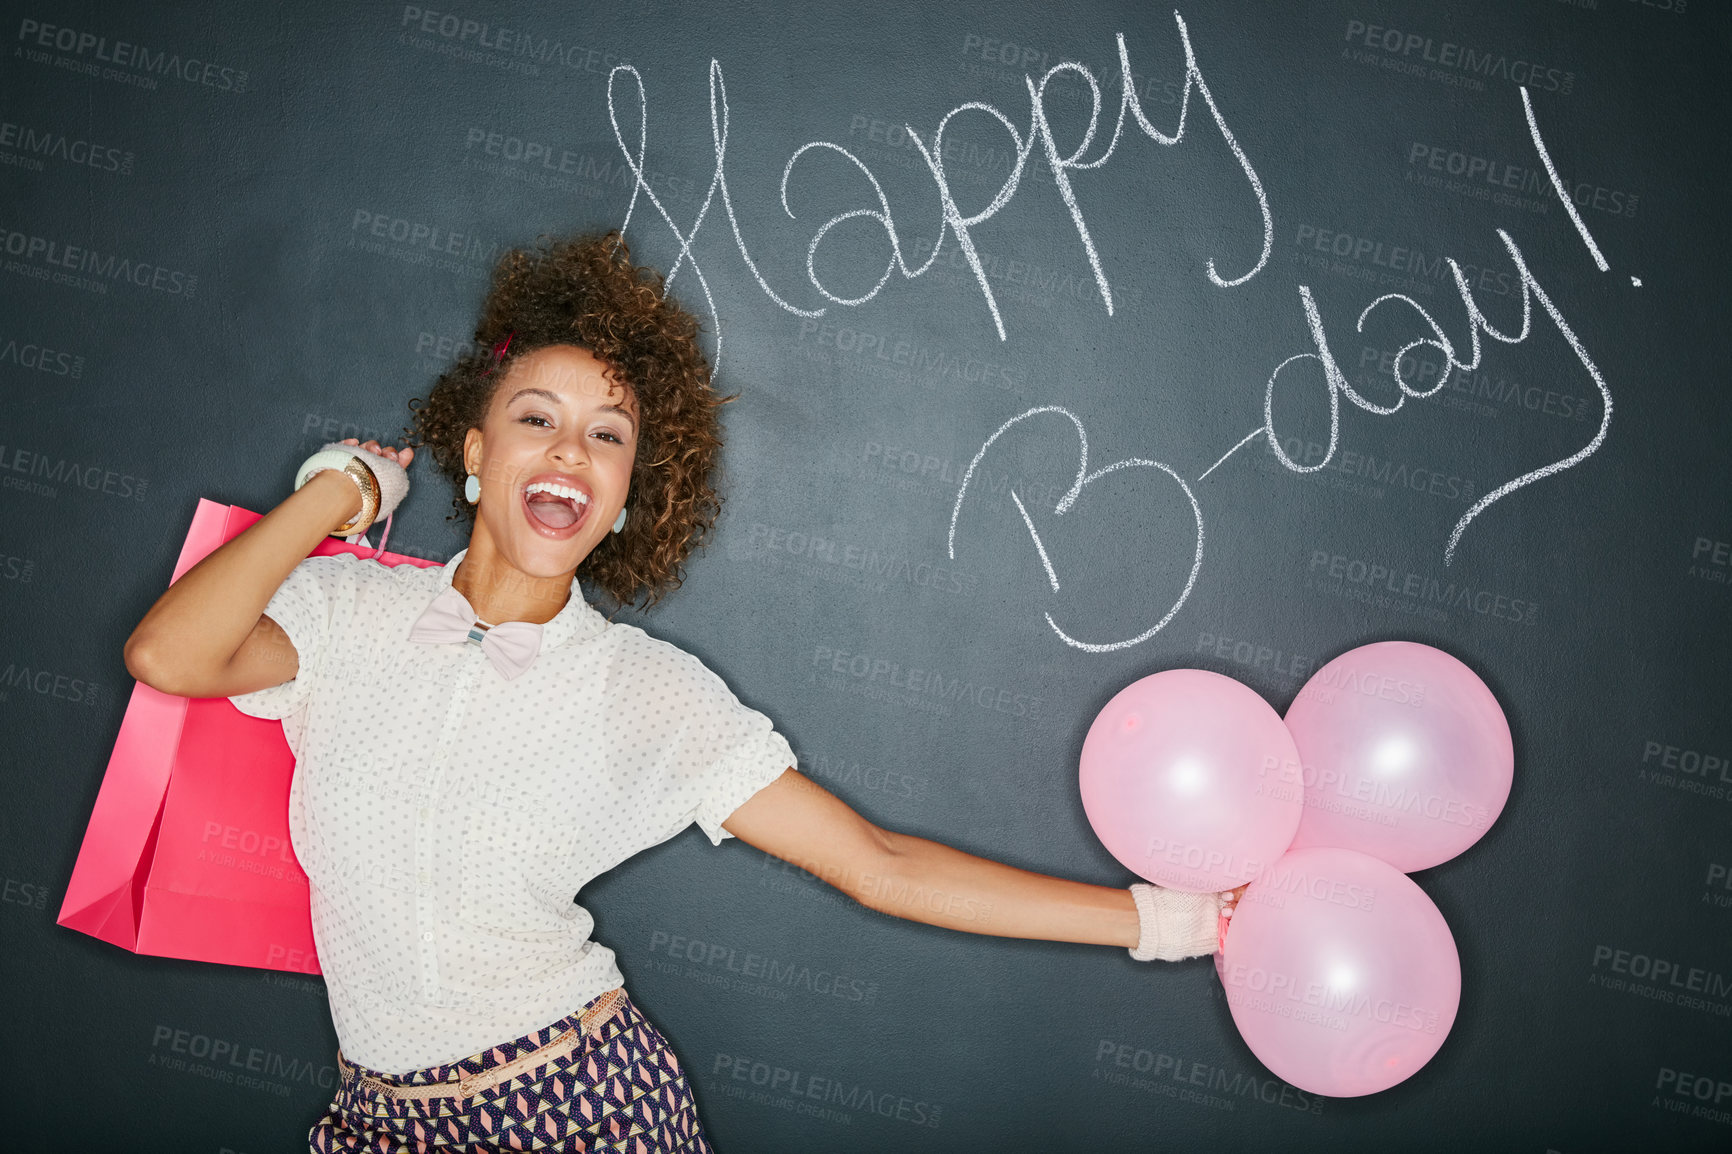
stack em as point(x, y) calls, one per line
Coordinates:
point(511, 645)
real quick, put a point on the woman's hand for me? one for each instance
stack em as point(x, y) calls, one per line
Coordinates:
point(1229, 903)
point(382, 475)
point(401, 456)
point(207, 636)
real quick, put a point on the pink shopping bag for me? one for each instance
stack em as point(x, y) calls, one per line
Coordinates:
point(187, 852)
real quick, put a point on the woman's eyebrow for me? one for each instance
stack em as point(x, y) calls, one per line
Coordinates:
point(520, 393)
point(622, 411)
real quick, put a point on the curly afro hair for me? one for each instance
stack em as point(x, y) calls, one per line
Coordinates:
point(585, 291)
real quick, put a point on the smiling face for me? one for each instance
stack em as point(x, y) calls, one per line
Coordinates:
point(554, 456)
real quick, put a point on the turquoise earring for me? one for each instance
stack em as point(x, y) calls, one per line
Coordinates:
point(472, 489)
point(619, 521)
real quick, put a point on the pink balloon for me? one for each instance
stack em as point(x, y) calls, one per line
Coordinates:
point(1407, 755)
point(1341, 975)
point(1188, 779)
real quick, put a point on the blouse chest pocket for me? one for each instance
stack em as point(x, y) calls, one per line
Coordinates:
point(519, 867)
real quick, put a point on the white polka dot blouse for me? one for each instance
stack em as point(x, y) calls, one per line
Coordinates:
point(447, 817)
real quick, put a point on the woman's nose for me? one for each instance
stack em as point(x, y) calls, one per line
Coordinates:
point(571, 448)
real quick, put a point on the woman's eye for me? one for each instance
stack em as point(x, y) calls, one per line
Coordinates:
point(607, 434)
point(535, 419)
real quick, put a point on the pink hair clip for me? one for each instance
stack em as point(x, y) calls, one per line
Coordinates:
point(499, 351)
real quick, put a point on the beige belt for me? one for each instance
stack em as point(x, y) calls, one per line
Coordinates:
point(589, 1025)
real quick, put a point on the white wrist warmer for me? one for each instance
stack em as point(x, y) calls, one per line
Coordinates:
point(392, 479)
point(1175, 924)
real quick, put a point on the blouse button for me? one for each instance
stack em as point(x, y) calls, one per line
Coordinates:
point(426, 935)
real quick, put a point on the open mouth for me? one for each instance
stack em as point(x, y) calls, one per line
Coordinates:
point(555, 507)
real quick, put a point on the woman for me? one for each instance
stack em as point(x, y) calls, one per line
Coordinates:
point(476, 742)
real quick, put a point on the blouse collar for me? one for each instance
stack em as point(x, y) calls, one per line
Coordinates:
point(577, 621)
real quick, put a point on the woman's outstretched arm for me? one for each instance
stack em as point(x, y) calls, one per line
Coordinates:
point(799, 821)
point(207, 635)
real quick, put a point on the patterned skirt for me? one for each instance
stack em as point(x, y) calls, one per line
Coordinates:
point(607, 1082)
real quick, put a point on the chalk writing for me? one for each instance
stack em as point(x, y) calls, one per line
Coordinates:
point(1065, 502)
point(953, 221)
point(1337, 385)
point(957, 225)
point(1551, 171)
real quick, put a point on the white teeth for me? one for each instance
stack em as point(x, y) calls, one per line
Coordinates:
point(565, 491)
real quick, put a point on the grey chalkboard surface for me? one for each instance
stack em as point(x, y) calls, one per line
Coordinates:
point(1398, 320)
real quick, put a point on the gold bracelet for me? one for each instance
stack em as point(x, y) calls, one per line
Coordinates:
point(357, 471)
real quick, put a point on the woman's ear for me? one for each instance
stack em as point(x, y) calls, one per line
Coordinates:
point(472, 452)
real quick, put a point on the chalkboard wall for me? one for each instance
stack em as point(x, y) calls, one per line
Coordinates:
point(233, 232)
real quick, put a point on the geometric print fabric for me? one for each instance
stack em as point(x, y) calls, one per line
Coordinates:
point(621, 1092)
